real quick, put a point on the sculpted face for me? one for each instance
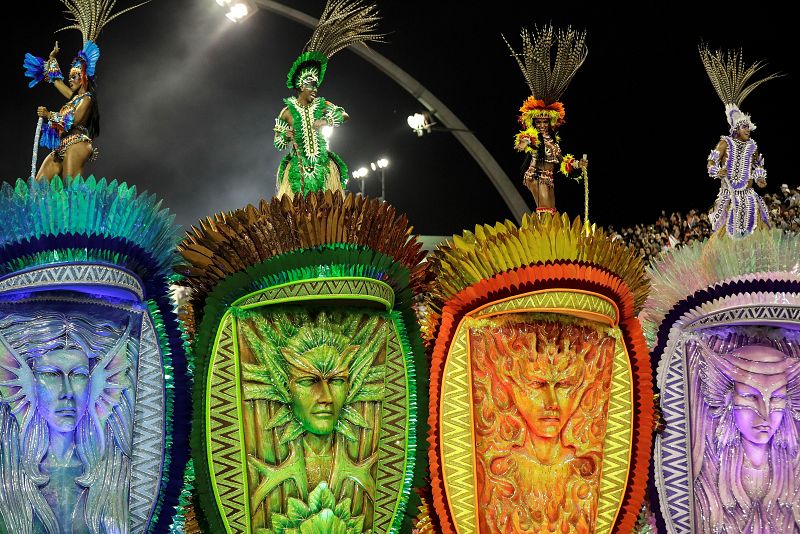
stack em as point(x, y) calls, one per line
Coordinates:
point(548, 401)
point(759, 407)
point(62, 379)
point(317, 398)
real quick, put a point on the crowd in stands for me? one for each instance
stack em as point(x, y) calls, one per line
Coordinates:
point(676, 229)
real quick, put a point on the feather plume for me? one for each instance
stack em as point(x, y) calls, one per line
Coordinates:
point(344, 23)
point(729, 74)
point(546, 74)
point(91, 16)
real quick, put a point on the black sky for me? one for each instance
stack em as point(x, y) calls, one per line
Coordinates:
point(188, 102)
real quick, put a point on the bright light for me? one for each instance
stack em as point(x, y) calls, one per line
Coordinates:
point(383, 163)
point(374, 168)
point(239, 10)
point(327, 131)
point(416, 121)
point(360, 173)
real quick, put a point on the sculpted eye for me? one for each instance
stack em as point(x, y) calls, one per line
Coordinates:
point(337, 381)
point(538, 385)
point(565, 385)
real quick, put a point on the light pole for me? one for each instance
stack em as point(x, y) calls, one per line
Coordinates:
point(361, 173)
point(382, 164)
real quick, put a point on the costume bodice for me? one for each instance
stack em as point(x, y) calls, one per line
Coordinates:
point(739, 163)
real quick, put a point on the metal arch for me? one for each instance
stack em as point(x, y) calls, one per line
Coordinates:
point(435, 107)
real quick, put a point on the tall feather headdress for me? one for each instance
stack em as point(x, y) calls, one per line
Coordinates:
point(90, 17)
point(342, 23)
point(729, 75)
point(546, 74)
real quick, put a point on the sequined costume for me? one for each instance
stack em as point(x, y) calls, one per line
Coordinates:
point(61, 132)
point(738, 207)
point(309, 165)
point(542, 113)
point(735, 161)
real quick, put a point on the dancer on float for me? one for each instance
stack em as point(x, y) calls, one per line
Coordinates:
point(309, 165)
point(69, 132)
point(542, 113)
point(736, 161)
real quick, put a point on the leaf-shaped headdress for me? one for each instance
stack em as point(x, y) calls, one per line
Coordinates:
point(90, 17)
point(342, 23)
point(547, 76)
point(729, 75)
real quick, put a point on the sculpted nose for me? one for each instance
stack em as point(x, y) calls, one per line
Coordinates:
point(67, 392)
point(550, 396)
point(325, 396)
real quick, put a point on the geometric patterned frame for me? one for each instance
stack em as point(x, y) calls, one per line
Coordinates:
point(456, 451)
point(223, 414)
point(671, 459)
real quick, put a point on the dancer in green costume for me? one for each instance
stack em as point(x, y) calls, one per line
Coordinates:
point(309, 165)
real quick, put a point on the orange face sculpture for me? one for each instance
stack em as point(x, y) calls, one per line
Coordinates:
point(540, 398)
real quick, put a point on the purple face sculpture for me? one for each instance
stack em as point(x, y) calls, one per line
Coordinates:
point(745, 440)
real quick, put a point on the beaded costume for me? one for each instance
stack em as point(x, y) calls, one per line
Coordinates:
point(63, 128)
point(547, 83)
point(309, 165)
point(736, 161)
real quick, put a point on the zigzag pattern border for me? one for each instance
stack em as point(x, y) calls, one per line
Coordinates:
point(89, 274)
point(148, 429)
point(455, 423)
point(224, 445)
point(618, 441)
point(322, 288)
point(750, 315)
point(557, 300)
point(671, 460)
point(392, 444)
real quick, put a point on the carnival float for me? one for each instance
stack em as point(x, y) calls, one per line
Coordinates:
point(329, 376)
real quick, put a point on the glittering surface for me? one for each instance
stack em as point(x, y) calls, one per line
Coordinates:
point(490, 250)
point(679, 273)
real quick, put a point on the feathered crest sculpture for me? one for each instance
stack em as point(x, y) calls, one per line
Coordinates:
point(549, 76)
point(729, 74)
point(90, 16)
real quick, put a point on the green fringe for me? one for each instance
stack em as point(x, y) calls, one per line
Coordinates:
point(169, 383)
point(416, 460)
point(184, 500)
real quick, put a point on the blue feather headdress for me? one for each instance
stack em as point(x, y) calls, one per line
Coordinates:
point(89, 55)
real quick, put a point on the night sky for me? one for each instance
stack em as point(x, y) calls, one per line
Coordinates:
point(188, 101)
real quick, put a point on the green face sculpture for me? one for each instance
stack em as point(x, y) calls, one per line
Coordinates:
point(317, 396)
